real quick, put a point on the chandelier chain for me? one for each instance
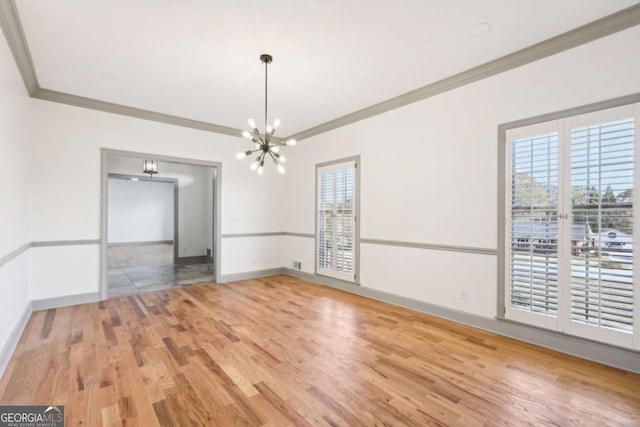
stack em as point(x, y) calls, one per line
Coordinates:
point(266, 66)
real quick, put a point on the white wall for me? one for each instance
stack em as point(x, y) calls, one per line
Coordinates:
point(429, 171)
point(15, 121)
point(64, 158)
point(140, 211)
point(237, 260)
point(68, 269)
point(195, 196)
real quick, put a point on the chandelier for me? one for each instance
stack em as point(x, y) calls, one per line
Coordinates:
point(150, 167)
point(263, 145)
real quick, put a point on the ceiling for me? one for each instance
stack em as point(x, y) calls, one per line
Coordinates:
point(199, 59)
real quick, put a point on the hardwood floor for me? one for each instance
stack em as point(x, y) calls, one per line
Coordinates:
point(279, 351)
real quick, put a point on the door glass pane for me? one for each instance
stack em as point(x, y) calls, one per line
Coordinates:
point(325, 220)
point(345, 181)
point(534, 224)
point(602, 225)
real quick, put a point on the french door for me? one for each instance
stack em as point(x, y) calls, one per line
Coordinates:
point(571, 222)
point(336, 220)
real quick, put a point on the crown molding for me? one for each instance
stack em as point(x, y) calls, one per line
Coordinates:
point(139, 113)
point(594, 30)
point(611, 24)
point(14, 33)
point(16, 38)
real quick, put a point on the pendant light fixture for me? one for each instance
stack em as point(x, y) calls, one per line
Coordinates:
point(150, 167)
point(263, 145)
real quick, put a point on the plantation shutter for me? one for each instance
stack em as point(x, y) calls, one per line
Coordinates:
point(570, 226)
point(326, 185)
point(602, 213)
point(533, 232)
point(335, 228)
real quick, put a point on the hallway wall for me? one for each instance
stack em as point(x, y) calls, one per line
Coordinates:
point(140, 211)
point(195, 199)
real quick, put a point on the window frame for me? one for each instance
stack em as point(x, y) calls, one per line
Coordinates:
point(356, 246)
point(572, 117)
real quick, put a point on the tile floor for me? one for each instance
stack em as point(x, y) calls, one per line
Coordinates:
point(146, 278)
point(145, 268)
point(138, 255)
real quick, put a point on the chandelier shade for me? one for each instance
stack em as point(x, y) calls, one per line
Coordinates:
point(263, 144)
point(150, 167)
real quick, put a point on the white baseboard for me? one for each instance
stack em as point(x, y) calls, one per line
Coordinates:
point(225, 278)
point(57, 302)
point(14, 338)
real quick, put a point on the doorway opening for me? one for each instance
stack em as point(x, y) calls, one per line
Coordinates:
point(161, 231)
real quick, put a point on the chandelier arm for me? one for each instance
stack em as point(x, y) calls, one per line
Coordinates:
point(272, 156)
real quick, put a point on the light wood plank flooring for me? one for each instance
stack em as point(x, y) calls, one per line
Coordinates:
point(279, 351)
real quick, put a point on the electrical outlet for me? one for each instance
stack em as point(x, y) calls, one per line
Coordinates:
point(464, 293)
point(297, 265)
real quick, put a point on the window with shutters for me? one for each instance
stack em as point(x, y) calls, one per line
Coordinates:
point(336, 220)
point(570, 225)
